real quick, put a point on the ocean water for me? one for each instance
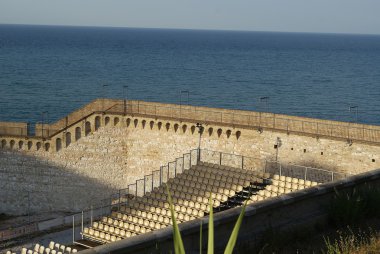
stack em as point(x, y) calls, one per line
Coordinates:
point(58, 69)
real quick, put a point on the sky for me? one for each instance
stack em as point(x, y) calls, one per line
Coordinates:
point(321, 16)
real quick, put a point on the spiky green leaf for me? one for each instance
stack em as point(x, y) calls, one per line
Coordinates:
point(232, 241)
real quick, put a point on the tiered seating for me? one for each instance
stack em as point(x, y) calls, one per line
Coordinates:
point(54, 248)
point(190, 192)
point(281, 185)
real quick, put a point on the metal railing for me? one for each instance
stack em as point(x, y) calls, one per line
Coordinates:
point(250, 119)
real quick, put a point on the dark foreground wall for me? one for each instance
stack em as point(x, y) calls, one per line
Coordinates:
point(302, 210)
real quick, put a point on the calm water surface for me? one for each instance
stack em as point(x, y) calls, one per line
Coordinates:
point(58, 69)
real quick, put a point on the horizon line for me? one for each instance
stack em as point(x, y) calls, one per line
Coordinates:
point(190, 29)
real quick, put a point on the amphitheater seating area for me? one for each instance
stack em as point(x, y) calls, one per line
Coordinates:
point(53, 248)
point(190, 191)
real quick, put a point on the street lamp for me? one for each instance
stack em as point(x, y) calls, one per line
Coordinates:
point(351, 108)
point(43, 121)
point(125, 88)
point(265, 98)
point(200, 131)
point(180, 100)
point(103, 93)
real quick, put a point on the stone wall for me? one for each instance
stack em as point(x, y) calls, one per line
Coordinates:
point(103, 152)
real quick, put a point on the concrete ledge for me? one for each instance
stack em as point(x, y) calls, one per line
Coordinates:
point(284, 212)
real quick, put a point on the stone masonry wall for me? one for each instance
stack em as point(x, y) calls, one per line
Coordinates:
point(113, 151)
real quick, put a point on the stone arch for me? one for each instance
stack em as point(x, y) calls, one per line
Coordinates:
point(219, 132)
point(135, 122)
point(192, 129)
point(38, 146)
point(97, 123)
point(176, 126)
point(12, 144)
point(58, 144)
point(159, 125)
point(68, 138)
point(210, 131)
point(3, 143)
point(20, 144)
point(128, 122)
point(116, 121)
point(78, 133)
point(167, 126)
point(47, 147)
point(228, 133)
point(30, 144)
point(151, 124)
point(87, 128)
point(106, 120)
point(238, 134)
point(184, 128)
point(143, 123)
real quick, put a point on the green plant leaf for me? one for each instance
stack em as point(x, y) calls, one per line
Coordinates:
point(210, 246)
point(200, 238)
point(178, 243)
point(232, 241)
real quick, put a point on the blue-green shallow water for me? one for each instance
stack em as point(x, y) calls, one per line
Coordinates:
point(58, 69)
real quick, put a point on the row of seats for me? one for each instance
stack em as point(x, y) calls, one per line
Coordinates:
point(190, 193)
point(54, 248)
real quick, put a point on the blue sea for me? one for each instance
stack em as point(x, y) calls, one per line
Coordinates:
point(58, 69)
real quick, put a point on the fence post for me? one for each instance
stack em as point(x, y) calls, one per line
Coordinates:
point(280, 169)
point(73, 228)
point(92, 213)
point(332, 176)
point(242, 162)
point(119, 200)
point(220, 158)
point(82, 224)
point(160, 175)
point(305, 173)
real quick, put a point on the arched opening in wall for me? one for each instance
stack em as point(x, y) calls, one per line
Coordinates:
point(167, 126)
point(87, 128)
point(192, 129)
point(220, 131)
point(151, 124)
point(12, 144)
point(135, 122)
point(47, 147)
point(159, 125)
point(20, 144)
point(30, 144)
point(116, 121)
point(68, 139)
point(78, 133)
point(106, 120)
point(228, 133)
point(238, 134)
point(143, 123)
point(184, 128)
point(58, 144)
point(38, 146)
point(97, 123)
point(128, 122)
point(210, 131)
point(3, 143)
point(176, 126)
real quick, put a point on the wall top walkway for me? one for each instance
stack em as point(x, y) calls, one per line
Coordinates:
point(239, 118)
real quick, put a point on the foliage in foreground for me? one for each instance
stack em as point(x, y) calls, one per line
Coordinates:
point(178, 243)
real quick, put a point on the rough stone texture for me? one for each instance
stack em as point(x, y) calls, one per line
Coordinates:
point(115, 150)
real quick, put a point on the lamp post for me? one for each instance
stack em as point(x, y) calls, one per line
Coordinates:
point(125, 89)
point(103, 93)
point(265, 98)
point(351, 108)
point(200, 131)
point(43, 121)
point(180, 100)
